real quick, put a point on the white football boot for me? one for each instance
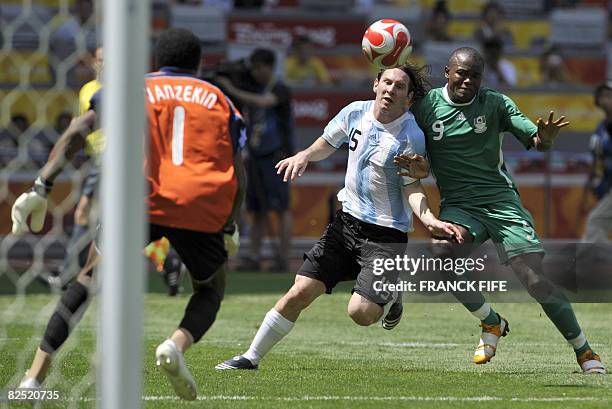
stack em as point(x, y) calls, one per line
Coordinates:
point(590, 362)
point(29, 383)
point(170, 360)
point(488, 340)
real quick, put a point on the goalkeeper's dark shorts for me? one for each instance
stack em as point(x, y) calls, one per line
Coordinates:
point(202, 253)
point(349, 250)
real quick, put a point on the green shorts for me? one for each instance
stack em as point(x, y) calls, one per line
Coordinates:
point(507, 223)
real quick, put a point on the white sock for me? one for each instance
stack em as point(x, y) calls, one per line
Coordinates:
point(579, 341)
point(273, 328)
point(483, 312)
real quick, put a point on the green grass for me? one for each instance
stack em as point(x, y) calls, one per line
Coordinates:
point(329, 362)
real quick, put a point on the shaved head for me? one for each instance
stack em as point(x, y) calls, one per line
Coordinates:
point(464, 74)
point(466, 54)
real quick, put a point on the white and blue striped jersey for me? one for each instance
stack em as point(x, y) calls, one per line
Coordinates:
point(372, 189)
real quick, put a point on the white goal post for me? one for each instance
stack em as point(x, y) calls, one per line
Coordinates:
point(126, 53)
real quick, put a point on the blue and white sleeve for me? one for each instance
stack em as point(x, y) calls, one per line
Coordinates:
point(337, 130)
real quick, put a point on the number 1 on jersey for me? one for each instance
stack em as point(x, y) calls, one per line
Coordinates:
point(178, 135)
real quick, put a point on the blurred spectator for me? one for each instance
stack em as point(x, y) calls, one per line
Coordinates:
point(492, 25)
point(42, 142)
point(20, 123)
point(76, 35)
point(302, 67)
point(65, 40)
point(499, 72)
point(61, 122)
point(599, 222)
point(266, 103)
point(437, 25)
point(9, 137)
point(552, 68)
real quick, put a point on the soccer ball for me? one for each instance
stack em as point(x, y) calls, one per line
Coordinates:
point(387, 43)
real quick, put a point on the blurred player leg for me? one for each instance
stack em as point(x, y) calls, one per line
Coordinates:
point(172, 272)
point(69, 311)
point(599, 223)
point(78, 245)
point(281, 262)
point(252, 262)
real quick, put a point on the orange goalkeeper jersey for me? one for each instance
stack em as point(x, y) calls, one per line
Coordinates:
point(194, 132)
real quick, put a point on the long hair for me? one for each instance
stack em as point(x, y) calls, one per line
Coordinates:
point(419, 79)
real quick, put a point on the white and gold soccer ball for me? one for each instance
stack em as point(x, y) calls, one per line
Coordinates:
point(387, 43)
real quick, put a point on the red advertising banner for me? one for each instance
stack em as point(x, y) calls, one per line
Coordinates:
point(279, 30)
point(317, 108)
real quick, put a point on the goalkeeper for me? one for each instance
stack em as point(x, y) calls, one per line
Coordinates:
point(210, 187)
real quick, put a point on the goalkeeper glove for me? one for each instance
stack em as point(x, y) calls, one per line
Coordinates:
point(231, 238)
point(32, 203)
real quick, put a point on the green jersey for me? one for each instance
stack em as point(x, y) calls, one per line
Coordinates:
point(464, 143)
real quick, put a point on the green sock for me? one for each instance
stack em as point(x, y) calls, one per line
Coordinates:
point(492, 318)
point(560, 312)
point(582, 349)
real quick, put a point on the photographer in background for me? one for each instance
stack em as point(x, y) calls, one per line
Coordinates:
point(599, 222)
point(266, 104)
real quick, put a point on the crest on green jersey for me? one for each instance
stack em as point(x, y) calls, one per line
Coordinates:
point(480, 124)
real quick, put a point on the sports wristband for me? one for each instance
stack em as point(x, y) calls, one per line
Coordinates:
point(42, 186)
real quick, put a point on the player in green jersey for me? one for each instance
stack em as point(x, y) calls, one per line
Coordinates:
point(464, 126)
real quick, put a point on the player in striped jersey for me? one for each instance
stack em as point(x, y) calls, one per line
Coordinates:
point(374, 220)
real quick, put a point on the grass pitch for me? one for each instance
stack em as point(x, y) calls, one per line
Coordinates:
point(327, 361)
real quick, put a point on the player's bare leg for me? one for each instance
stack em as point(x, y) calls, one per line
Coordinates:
point(363, 311)
point(182, 339)
point(258, 230)
point(70, 308)
point(303, 292)
point(278, 322)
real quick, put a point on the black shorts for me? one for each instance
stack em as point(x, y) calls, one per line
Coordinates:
point(347, 251)
point(90, 184)
point(265, 188)
point(202, 253)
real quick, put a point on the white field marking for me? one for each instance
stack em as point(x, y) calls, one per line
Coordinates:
point(376, 398)
point(366, 343)
point(402, 344)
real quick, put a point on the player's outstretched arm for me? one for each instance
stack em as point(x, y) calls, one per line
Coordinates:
point(295, 165)
point(414, 166)
point(417, 198)
point(33, 203)
point(548, 131)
